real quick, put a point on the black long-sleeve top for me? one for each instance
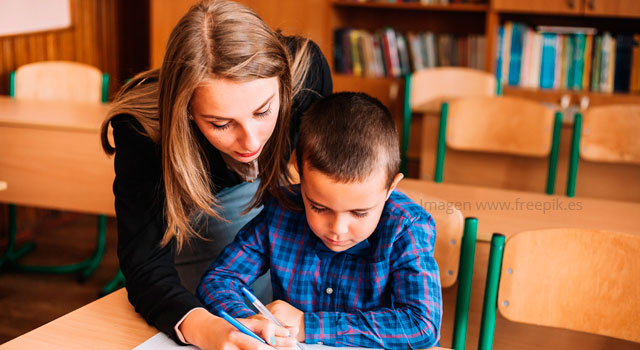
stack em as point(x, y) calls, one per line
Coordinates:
point(153, 284)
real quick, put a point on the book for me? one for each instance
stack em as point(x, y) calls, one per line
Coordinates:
point(548, 65)
point(622, 70)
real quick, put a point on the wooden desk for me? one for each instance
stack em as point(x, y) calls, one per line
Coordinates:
point(510, 212)
point(108, 323)
point(50, 153)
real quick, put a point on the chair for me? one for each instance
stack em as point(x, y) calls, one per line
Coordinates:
point(604, 134)
point(61, 81)
point(577, 279)
point(426, 89)
point(454, 252)
point(507, 125)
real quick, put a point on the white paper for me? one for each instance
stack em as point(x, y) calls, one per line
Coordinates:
point(161, 341)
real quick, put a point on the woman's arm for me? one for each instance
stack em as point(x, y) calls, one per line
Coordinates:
point(153, 284)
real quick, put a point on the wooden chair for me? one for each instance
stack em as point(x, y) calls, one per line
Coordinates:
point(608, 134)
point(427, 89)
point(59, 81)
point(66, 81)
point(507, 125)
point(454, 252)
point(577, 279)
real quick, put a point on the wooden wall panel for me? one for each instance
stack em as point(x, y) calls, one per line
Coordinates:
point(308, 18)
point(92, 39)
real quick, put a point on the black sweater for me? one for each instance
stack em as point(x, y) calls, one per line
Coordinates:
point(152, 281)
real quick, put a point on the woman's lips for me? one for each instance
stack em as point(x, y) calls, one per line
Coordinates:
point(247, 155)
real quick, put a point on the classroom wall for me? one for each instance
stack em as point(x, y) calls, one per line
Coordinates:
point(92, 39)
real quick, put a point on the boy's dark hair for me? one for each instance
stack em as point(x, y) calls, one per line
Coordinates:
point(348, 136)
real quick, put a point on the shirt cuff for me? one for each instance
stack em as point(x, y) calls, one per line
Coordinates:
point(320, 328)
point(177, 327)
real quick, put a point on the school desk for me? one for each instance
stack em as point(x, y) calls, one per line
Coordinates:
point(509, 212)
point(107, 323)
point(50, 153)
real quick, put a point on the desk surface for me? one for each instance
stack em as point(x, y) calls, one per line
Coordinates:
point(108, 323)
point(509, 212)
point(52, 114)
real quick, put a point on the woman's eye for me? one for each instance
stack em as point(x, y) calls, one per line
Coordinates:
point(265, 113)
point(318, 210)
point(360, 214)
point(221, 126)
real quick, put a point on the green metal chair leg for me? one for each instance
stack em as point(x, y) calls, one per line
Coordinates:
point(117, 282)
point(442, 142)
point(11, 254)
point(553, 156)
point(465, 276)
point(574, 157)
point(489, 306)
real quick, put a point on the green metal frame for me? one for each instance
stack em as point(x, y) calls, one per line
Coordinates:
point(118, 281)
point(465, 276)
point(489, 306)
point(12, 255)
point(574, 156)
point(553, 156)
point(442, 142)
point(406, 124)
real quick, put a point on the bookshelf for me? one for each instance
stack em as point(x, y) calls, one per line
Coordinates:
point(615, 16)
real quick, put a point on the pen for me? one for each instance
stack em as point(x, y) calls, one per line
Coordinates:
point(263, 310)
point(242, 328)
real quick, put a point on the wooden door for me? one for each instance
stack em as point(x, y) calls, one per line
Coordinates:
point(614, 8)
point(541, 6)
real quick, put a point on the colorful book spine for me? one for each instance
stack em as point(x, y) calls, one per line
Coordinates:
point(547, 71)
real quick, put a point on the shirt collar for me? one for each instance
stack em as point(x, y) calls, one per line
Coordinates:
point(361, 249)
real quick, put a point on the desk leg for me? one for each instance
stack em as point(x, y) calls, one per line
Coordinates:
point(10, 255)
point(86, 267)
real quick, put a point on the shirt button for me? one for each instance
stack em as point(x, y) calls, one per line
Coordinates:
point(329, 290)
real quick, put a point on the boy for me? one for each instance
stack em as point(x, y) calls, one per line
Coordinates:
point(356, 268)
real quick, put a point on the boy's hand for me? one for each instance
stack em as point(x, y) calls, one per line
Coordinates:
point(288, 316)
point(283, 338)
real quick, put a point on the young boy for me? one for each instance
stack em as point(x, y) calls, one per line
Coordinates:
point(356, 268)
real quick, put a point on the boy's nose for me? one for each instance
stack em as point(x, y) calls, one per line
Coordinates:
point(339, 226)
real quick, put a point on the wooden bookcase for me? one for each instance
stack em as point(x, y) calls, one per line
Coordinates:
point(613, 15)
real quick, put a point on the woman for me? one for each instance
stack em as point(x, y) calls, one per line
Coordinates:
point(197, 144)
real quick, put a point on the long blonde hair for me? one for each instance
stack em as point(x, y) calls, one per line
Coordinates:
point(222, 39)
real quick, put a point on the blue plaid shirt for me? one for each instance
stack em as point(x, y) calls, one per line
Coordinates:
point(383, 292)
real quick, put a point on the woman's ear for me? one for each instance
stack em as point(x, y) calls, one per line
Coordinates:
point(394, 184)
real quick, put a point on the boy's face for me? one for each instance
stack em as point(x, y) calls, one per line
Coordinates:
point(343, 214)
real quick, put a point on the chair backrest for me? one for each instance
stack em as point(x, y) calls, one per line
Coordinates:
point(577, 279)
point(432, 86)
point(611, 134)
point(449, 230)
point(427, 89)
point(59, 81)
point(509, 125)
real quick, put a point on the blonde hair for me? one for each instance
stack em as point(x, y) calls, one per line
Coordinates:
point(220, 39)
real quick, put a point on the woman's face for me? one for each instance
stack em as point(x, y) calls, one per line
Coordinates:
point(237, 118)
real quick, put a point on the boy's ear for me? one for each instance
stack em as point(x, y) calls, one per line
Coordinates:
point(394, 184)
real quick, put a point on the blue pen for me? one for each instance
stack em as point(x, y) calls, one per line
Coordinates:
point(242, 328)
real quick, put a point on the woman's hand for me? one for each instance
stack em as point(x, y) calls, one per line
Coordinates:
point(209, 332)
point(289, 316)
